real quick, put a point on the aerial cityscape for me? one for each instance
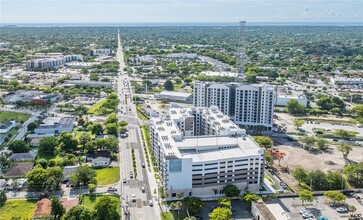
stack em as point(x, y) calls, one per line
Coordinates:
point(172, 113)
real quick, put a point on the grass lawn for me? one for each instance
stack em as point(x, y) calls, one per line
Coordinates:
point(173, 215)
point(93, 109)
point(90, 201)
point(49, 156)
point(166, 216)
point(4, 115)
point(107, 175)
point(17, 208)
point(77, 134)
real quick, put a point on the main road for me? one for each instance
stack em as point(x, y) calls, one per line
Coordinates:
point(140, 208)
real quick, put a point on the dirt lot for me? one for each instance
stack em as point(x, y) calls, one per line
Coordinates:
point(330, 159)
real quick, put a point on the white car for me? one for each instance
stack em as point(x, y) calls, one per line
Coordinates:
point(151, 203)
point(307, 215)
point(342, 209)
point(133, 198)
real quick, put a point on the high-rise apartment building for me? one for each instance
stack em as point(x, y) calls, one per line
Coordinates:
point(249, 105)
point(200, 150)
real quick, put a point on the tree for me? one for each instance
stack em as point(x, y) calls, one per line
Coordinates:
point(78, 212)
point(94, 77)
point(112, 128)
point(336, 180)
point(84, 138)
point(308, 141)
point(111, 143)
point(231, 191)
point(54, 178)
point(298, 123)
point(321, 143)
point(305, 195)
point(344, 134)
point(225, 202)
point(31, 126)
point(358, 110)
point(251, 197)
point(355, 174)
point(318, 180)
point(269, 159)
point(352, 209)
point(221, 213)
point(193, 204)
point(67, 142)
point(300, 174)
point(84, 175)
point(47, 145)
point(345, 149)
point(81, 121)
point(111, 118)
point(3, 198)
point(190, 218)
point(295, 108)
point(263, 141)
point(57, 210)
point(338, 103)
point(325, 103)
point(19, 146)
point(335, 196)
point(96, 128)
point(42, 162)
point(92, 188)
point(123, 123)
point(106, 208)
point(168, 85)
point(37, 177)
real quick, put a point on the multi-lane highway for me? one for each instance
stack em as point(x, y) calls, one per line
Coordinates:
point(131, 186)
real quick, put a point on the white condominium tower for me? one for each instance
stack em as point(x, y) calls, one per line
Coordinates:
point(200, 150)
point(249, 105)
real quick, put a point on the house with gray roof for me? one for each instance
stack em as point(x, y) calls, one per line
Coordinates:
point(23, 156)
point(6, 126)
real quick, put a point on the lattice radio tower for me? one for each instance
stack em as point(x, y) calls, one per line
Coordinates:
point(242, 58)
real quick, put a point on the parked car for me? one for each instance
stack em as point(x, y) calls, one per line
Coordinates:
point(342, 209)
point(112, 189)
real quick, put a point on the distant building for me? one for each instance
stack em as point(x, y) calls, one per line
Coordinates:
point(175, 96)
point(248, 105)
point(6, 126)
point(51, 61)
point(68, 170)
point(101, 52)
point(43, 99)
point(4, 44)
point(87, 83)
point(286, 94)
point(347, 81)
point(65, 124)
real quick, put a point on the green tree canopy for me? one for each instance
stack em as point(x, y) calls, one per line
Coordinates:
point(78, 212)
point(221, 213)
point(83, 176)
point(231, 190)
point(263, 141)
point(106, 208)
point(305, 196)
point(193, 204)
point(47, 145)
point(57, 210)
point(295, 108)
point(19, 146)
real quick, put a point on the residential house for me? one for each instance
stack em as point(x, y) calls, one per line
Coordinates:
point(23, 156)
point(99, 158)
point(42, 209)
point(6, 126)
point(68, 170)
point(19, 170)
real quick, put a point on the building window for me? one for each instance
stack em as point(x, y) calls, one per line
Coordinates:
point(175, 166)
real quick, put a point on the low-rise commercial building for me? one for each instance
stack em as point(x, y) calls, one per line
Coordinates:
point(64, 124)
point(175, 96)
point(200, 150)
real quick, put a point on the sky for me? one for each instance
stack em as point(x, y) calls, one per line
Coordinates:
point(156, 11)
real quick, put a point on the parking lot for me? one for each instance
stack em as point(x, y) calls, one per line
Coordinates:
point(319, 207)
